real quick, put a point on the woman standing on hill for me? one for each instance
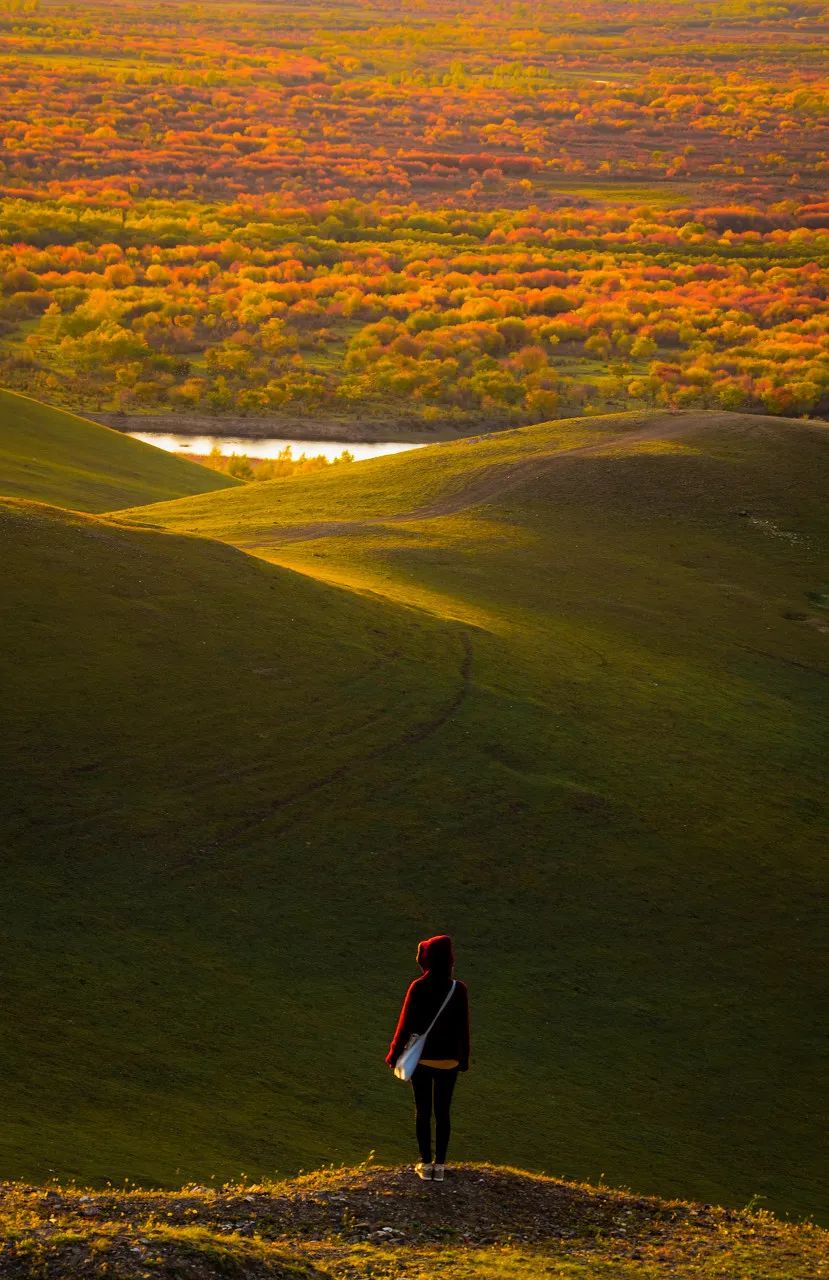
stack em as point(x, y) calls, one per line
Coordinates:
point(445, 1052)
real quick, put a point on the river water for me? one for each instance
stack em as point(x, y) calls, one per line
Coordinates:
point(228, 445)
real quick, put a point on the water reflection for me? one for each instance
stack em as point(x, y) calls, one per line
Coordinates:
point(227, 445)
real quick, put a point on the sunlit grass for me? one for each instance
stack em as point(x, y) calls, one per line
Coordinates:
point(486, 1223)
point(572, 712)
point(49, 455)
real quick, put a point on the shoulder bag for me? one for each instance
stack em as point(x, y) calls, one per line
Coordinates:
point(409, 1058)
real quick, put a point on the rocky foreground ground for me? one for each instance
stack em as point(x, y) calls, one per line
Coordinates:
point(482, 1223)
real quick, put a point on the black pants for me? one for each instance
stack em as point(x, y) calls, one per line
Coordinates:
point(433, 1087)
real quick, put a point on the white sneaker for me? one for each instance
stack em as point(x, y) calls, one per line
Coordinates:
point(438, 1171)
point(424, 1171)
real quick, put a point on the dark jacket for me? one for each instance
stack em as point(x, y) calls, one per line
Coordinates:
point(450, 1035)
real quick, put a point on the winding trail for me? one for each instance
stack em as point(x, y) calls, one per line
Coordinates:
point(412, 736)
point(490, 484)
point(496, 480)
point(416, 734)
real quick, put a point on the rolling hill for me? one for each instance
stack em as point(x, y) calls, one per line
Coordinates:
point(560, 691)
point(49, 455)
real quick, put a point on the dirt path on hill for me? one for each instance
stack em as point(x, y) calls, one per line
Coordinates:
point(497, 480)
point(280, 807)
point(412, 736)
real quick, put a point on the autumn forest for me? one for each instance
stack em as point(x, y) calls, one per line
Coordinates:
point(482, 213)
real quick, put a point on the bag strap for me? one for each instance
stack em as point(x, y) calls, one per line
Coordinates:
point(442, 1007)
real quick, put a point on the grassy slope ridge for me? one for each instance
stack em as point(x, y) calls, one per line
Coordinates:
point(463, 473)
point(569, 709)
point(50, 455)
point(482, 1223)
point(171, 698)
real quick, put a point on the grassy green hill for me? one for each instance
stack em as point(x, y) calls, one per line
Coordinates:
point(483, 1223)
point(561, 692)
point(50, 455)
